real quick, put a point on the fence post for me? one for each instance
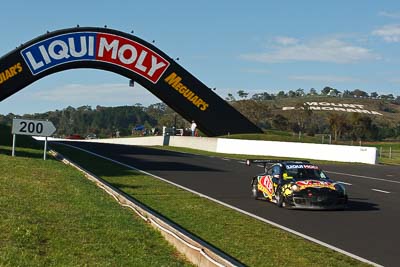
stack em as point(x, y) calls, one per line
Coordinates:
point(13, 146)
point(390, 152)
point(380, 152)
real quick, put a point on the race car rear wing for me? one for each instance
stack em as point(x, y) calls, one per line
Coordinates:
point(272, 161)
point(265, 162)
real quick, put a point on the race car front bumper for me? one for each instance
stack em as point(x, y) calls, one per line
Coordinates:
point(326, 201)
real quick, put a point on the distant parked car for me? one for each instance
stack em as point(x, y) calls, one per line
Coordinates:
point(139, 128)
point(91, 136)
point(74, 136)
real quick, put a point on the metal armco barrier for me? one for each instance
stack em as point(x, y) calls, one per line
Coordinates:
point(195, 250)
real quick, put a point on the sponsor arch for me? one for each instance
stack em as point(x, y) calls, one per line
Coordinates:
point(127, 55)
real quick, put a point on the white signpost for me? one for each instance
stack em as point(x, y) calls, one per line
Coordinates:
point(34, 128)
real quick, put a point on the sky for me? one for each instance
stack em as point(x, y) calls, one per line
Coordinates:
point(255, 46)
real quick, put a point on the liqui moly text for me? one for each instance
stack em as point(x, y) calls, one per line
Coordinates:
point(95, 46)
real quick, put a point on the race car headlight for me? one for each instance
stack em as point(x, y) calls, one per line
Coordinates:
point(295, 188)
point(339, 187)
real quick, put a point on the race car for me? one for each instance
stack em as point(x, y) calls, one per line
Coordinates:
point(297, 184)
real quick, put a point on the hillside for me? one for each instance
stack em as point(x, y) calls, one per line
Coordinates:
point(350, 119)
point(387, 109)
point(343, 118)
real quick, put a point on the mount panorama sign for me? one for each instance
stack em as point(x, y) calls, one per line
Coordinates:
point(327, 106)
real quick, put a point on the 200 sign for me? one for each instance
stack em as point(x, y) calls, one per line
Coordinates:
point(31, 127)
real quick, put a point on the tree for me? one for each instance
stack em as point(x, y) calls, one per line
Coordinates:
point(280, 122)
point(302, 114)
point(262, 96)
point(312, 92)
point(230, 97)
point(387, 97)
point(347, 93)
point(360, 93)
point(363, 128)
point(374, 95)
point(397, 101)
point(337, 123)
point(257, 111)
point(334, 92)
point(326, 90)
point(242, 94)
point(300, 92)
point(291, 93)
point(281, 94)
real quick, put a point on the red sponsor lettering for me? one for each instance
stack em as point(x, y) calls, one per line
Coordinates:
point(265, 181)
point(130, 55)
point(313, 167)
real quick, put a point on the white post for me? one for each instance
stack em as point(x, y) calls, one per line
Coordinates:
point(13, 146)
point(45, 148)
point(390, 152)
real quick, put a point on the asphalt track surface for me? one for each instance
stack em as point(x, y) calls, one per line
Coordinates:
point(368, 228)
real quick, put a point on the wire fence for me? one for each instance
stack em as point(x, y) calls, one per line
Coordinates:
point(389, 153)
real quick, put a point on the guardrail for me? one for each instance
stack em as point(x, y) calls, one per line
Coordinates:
point(196, 250)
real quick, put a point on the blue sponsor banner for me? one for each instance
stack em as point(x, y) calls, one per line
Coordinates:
point(59, 50)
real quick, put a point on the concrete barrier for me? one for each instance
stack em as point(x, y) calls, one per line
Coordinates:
point(201, 143)
point(138, 141)
point(340, 153)
point(299, 150)
point(357, 154)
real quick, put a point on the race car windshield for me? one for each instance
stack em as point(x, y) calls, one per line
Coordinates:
point(302, 173)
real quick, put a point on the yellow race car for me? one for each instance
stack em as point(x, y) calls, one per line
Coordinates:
point(297, 184)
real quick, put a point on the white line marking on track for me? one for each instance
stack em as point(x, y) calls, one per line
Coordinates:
point(365, 177)
point(382, 191)
point(225, 159)
point(344, 183)
point(233, 207)
point(259, 165)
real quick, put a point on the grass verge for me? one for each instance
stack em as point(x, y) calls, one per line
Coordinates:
point(52, 216)
point(250, 241)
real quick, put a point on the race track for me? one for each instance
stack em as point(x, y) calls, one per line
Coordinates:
point(368, 228)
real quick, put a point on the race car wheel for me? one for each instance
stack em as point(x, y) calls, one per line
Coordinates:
point(279, 199)
point(255, 192)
